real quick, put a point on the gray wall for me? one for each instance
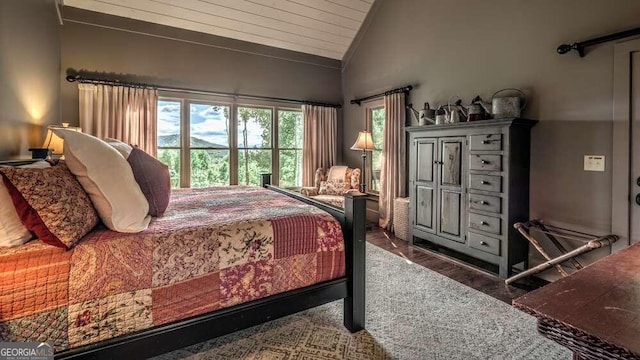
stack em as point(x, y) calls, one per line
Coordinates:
point(468, 48)
point(172, 57)
point(29, 74)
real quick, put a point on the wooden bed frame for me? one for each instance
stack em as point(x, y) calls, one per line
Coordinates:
point(182, 333)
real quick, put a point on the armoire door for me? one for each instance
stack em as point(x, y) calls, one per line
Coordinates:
point(634, 235)
point(625, 162)
point(425, 183)
point(450, 187)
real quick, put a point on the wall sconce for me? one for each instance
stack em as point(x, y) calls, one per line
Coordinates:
point(53, 145)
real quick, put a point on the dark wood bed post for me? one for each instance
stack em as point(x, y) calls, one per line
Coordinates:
point(353, 221)
point(355, 207)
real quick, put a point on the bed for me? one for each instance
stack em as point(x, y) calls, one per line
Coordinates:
point(219, 260)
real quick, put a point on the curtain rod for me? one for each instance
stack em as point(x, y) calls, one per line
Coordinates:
point(404, 89)
point(579, 46)
point(85, 80)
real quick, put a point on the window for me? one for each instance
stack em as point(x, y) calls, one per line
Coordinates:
point(223, 152)
point(290, 127)
point(376, 124)
point(209, 144)
point(254, 144)
point(169, 115)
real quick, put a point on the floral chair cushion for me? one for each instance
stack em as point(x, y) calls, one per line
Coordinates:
point(321, 175)
point(332, 187)
point(355, 178)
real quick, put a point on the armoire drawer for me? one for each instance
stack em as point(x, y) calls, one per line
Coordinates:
point(484, 243)
point(489, 224)
point(485, 203)
point(485, 162)
point(485, 142)
point(485, 182)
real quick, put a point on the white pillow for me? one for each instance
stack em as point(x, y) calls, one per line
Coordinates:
point(107, 177)
point(123, 148)
point(12, 231)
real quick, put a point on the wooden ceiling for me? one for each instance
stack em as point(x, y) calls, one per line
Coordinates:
point(320, 27)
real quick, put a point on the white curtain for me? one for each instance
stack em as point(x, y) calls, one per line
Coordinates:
point(125, 113)
point(392, 175)
point(319, 148)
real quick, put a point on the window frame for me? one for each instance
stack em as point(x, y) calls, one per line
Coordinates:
point(185, 143)
point(185, 148)
point(274, 173)
point(276, 142)
point(369, 107)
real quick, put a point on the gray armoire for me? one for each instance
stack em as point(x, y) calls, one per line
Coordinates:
point(468, 185)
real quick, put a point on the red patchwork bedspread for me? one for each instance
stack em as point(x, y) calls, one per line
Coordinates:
point(214, 248)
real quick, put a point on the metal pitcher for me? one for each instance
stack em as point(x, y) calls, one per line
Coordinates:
point(508, 106)
point(478, 110)
point(425, 116)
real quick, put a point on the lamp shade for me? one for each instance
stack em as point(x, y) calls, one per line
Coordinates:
point(53, 142)
point(364, 142)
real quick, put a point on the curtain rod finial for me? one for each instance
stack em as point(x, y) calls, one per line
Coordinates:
point(72, 78)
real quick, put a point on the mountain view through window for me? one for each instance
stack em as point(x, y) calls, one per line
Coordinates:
point(209, 146)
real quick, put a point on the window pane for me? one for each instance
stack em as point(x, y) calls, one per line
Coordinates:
point(290, 168)
point(171, 157)
point(377, 126)
point(168, 123)
point(254, 127)
point(375, 170)
point(290, 129)
point(209, 168)
point(377, 130)
point(209, 125)
point(252, 163)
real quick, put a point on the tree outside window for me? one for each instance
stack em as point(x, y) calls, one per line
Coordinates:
point(377, 131)
point(254, 144)
point(290, 137)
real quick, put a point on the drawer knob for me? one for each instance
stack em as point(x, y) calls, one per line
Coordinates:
point(484, 223)
point(483, 182)
point(485, 161)
point(483, 243)
point(486, 141)
point(482, 202)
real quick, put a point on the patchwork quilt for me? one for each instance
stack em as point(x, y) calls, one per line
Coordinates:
point(214, 248)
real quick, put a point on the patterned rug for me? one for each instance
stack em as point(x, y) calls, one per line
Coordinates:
point(412, 313)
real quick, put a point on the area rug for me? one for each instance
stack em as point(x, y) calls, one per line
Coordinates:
point(412, 313)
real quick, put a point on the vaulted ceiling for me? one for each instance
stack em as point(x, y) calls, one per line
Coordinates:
point(320, 27)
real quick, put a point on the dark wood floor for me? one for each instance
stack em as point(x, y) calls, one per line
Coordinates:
point(452, 268)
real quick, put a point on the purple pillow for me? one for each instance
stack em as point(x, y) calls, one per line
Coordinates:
point(153, 178)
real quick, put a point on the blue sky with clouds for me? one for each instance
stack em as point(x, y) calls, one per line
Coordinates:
point(206, 122)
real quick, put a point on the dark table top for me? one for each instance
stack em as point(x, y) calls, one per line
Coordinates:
point(601, 301)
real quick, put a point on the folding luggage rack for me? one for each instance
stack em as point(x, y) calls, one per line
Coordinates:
point(591, 242)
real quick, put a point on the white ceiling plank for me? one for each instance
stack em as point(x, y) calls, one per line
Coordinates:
point(295, 8)
point(249, 29)
point(282, 16)
point(194, 26)
point(358, 5)
point(332, 8)
point(258, 20)
point(320, 27)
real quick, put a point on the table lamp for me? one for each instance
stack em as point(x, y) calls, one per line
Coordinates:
point(364, 143)
point(52, 145)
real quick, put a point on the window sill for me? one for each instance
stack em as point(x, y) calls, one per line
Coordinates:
point(372, 196)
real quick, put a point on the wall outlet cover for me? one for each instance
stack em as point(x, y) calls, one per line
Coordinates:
point(594, 163)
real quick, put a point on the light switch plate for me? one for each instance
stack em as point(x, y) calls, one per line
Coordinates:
point(594, 163)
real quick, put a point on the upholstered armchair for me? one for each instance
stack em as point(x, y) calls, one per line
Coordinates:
point(332, 184)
